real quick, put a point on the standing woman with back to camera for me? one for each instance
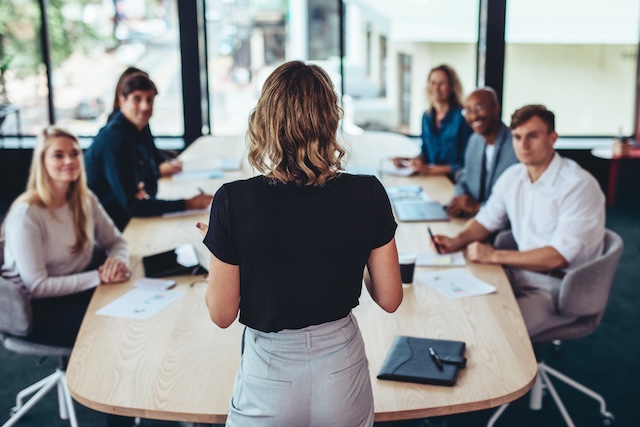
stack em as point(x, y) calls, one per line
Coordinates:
point(289, 250)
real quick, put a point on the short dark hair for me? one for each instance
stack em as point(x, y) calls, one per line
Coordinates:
point(526, 113)
point(137, 81)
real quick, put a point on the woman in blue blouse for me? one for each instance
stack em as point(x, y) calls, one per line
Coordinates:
point(444, 131)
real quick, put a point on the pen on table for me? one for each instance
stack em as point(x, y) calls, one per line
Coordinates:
point(200, 190)
point(434, 240)
point(435, 358)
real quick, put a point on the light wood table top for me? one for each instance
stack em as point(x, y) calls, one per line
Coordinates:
point(179, 366)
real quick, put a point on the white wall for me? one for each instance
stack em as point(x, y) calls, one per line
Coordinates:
point(589, 87)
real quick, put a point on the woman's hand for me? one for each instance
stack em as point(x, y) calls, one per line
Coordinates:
point(114, 271)
point(170, 167)
point(203, 228)
point(142, 193)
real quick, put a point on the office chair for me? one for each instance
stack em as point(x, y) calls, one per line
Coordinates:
point(15, 326)
point(584, 292)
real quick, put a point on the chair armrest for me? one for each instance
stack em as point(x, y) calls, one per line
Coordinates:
point(15, 309)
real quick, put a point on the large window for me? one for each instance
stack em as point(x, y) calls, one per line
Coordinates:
point(390, 48)
point(248, 39)
point(23, 83)
point(579, 58)
point(90, 43)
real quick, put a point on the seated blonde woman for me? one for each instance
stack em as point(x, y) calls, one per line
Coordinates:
point(52, 232)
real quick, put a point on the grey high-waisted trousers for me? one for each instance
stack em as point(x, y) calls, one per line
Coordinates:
point(312, 377)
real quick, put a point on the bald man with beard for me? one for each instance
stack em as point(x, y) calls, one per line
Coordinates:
point(489, 152)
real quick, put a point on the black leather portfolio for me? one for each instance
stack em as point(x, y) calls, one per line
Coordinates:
point(423, 360)
point(181, 260)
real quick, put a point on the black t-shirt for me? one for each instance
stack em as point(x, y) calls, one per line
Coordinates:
point(301, 250)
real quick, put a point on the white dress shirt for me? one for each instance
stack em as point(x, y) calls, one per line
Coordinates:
point(564, 209)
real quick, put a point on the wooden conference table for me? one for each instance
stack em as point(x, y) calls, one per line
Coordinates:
point(180, 366)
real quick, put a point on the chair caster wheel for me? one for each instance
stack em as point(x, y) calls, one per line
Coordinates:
point(608, 419)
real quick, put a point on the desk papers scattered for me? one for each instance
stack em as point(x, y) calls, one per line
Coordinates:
point(139, 304)
point(455, 283)
point(455, 259)
point(402, 192)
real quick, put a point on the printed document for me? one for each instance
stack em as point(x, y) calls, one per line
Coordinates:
point(140, 304)
point(455, 283)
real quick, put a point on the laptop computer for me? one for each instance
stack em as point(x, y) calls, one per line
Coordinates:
point(417, 209)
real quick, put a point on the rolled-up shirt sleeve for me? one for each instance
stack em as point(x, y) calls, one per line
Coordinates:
point(580, 223)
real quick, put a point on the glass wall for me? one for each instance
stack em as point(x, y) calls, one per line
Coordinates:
point(247, 39)
point(23, 83)
point(390, 48)
point(91, 43)
point(579, 58)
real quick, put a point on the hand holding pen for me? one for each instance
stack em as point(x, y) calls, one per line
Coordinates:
point(433, 240)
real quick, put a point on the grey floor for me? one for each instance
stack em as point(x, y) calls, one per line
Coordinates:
point(608, 361)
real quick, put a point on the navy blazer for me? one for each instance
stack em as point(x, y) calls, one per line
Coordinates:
point(119, 158)
point(470, 179)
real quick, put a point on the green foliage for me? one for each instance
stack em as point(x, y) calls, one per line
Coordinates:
point(20, 40)
point(17, 35)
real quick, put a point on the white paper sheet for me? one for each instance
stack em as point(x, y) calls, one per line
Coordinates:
point(388, 168)
point(197, 175)
point(199, 165)
point(187, 213)
point(455, 259)
point(140, 304)
point(455, 283)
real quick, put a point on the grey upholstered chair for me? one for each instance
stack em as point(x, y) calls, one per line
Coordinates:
point(15, 326)
point(584, 292)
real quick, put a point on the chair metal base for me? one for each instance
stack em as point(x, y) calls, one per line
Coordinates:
point(41, 388)
point(543, 382)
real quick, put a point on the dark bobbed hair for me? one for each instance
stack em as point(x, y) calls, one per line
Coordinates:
point(126, 73)
point(526, 113)
point(292, 130)
point(136, 81)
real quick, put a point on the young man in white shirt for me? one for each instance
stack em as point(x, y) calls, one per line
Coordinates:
point(557, 215)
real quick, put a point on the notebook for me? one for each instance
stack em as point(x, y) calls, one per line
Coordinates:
point(417, 209)
point(409, 360)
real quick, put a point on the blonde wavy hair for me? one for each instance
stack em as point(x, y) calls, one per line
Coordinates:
point(292, 130)
point(39, 191)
